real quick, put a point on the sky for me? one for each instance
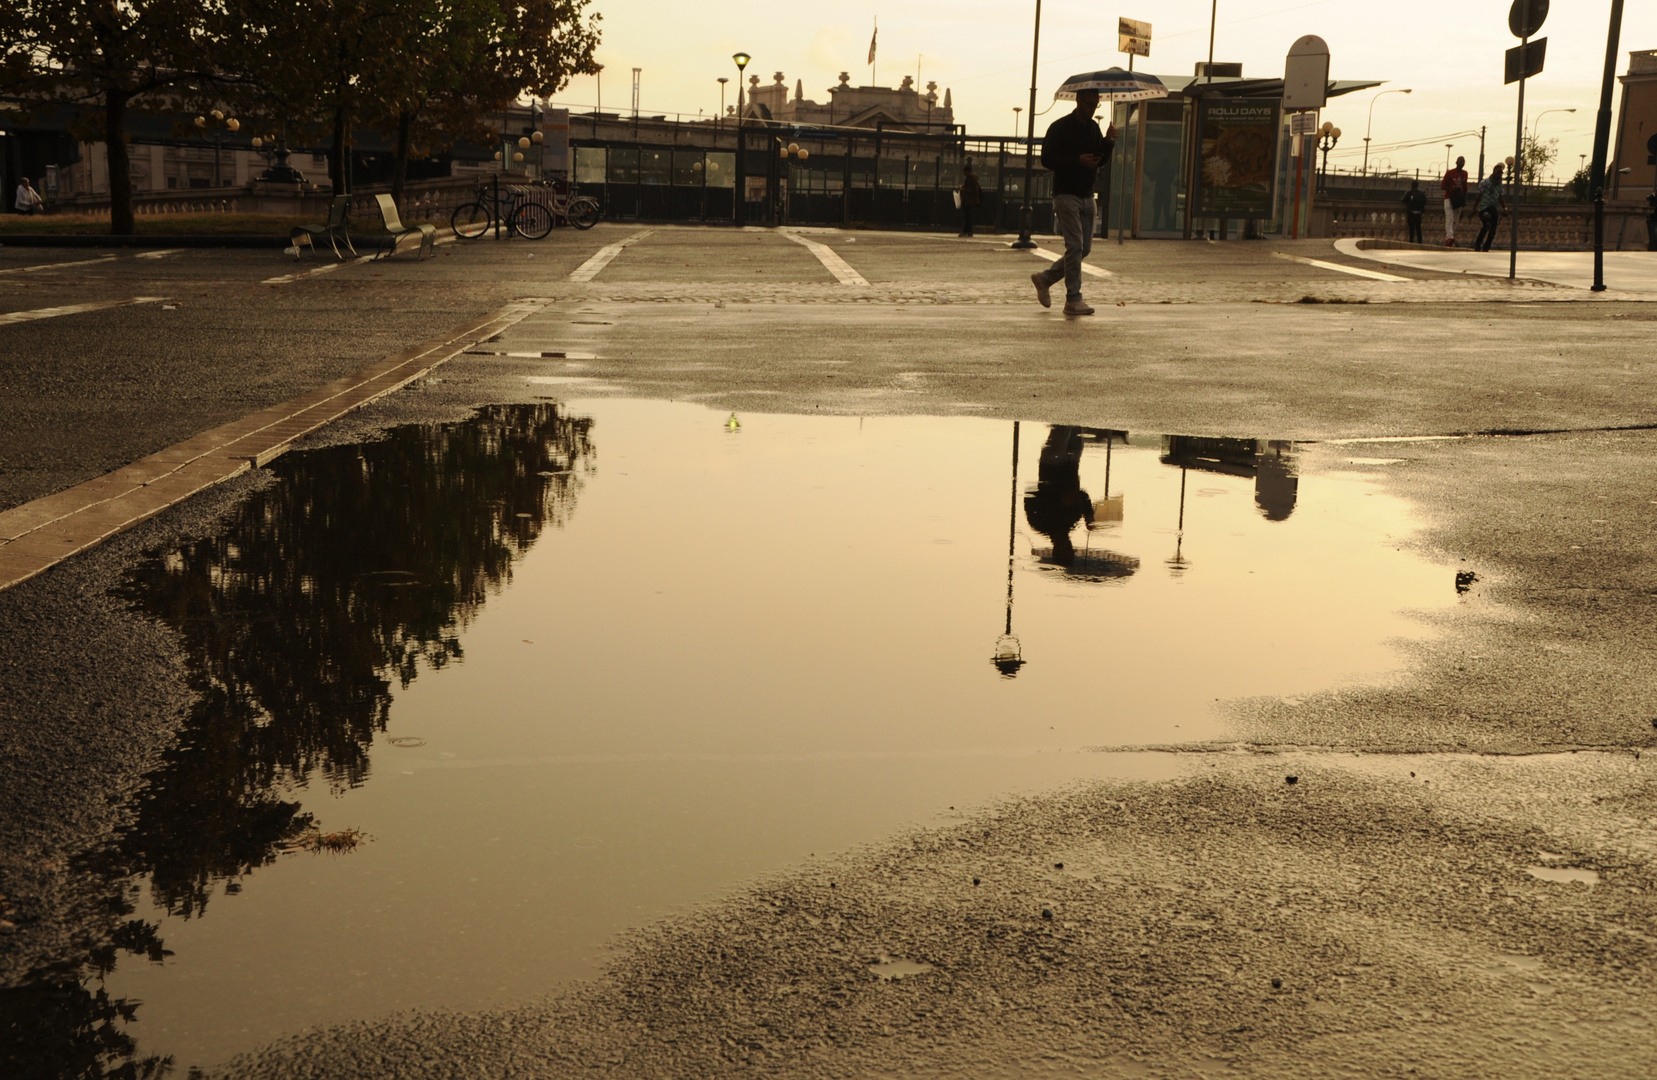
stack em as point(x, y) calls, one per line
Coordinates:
point(1448, 54)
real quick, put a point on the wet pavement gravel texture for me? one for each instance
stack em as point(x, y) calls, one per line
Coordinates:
point(1378, 917)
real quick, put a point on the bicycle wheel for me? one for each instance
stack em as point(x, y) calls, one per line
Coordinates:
point(583, 213)
point(471, 221)
point(532, 221)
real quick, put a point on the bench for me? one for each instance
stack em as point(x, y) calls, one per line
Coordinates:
point(394, 225)
point(334, 231)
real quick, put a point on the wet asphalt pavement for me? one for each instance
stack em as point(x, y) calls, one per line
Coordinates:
point(1389, 913)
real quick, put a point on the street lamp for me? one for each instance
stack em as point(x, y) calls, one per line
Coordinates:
point(1371, 123)
point(738, 209)
point(216, 131)
point(1537, 123)
point(722, 80)
point(1328, 136)
point(1024, 241)
point(1016, 110)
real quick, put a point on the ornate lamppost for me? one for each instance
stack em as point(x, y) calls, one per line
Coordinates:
point(740, 191)
point(217, 131)
point(1328, 136)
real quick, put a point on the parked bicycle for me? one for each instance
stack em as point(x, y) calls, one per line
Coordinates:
point(579, 210)
point(525, 216)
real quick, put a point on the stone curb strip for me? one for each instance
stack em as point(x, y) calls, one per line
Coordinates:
point(42, 533)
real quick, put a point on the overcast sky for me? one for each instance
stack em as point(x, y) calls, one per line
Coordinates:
point(1448, 52)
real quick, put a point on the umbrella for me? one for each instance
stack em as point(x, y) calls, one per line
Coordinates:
point(1114, 84)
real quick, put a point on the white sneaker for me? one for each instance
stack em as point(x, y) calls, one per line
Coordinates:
point(1044, 294)
point(1077, 307)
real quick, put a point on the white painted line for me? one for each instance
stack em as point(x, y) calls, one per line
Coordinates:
point(603, 256)
point(1054, 256)
point(324, 269)
point(842, 271)
point(1393, 439)
point(163, 253)
point(73, 309)
point(1373, 275)
point(56, 265)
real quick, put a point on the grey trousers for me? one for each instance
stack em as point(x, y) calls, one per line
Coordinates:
point(1074, 216)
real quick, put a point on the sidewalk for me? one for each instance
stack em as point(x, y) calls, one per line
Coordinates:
point(1628, 274)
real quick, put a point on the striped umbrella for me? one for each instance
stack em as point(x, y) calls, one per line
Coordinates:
point(1114, 84)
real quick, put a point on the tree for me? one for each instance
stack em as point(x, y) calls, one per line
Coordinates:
point(112, 54)
point(1535, 157)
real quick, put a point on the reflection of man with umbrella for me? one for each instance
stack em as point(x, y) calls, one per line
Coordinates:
point(1073, 150)
point(1059, 501)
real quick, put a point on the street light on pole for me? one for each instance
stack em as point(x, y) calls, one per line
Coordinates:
point(738, 209)
point(1371, 123)
point(1024, 241)
point(1536, 124)
point(722, 80)
point(1017, 109)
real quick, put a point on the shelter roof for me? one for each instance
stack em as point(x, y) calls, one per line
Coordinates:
point(1232, 86)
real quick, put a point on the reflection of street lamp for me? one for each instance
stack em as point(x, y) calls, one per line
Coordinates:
point(1179, 563)
point(1328, 136)
point(222, 127)
point(738, 209)
point(1371, 123)
point(1025, 209)
point(1009, 654)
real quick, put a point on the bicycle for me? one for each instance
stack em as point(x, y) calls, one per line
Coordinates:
point(526, 217)
point(571, 208)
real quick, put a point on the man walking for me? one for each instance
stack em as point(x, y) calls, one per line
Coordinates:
point(1454, 186)
point(1415, 205)
point(1491, 205)
point(971, 195)
point(1073, 150)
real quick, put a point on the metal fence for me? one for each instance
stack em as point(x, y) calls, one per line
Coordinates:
point(875, 179)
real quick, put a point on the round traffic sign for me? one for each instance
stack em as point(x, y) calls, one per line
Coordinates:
point(1525, 17)
point(1651, 145)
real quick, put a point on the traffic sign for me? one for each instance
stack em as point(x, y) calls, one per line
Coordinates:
point(1523, 67)
point(1306, 74)
point(1526, 17)
point(1133, 37)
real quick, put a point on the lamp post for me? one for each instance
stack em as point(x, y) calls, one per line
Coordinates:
point(1024, 212)
point(1371, 123)
point(1536, 124)
point(216, 131)
point(1017, 109)
point(1602, 138)
point(1328, 136)
point(738, 209)
point(722, 80)
point(598, 77)
point(792, 152)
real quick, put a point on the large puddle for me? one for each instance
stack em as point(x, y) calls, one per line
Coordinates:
point(572, 667)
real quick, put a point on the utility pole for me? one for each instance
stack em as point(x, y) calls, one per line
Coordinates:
point(1602, 139)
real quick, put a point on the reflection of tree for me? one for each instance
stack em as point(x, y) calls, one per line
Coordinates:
point(358, 565)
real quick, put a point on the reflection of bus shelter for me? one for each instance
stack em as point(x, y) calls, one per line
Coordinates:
point(1270, 464)
point(1158, 158)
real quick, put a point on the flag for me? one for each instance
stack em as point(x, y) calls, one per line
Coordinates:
point(872, 37)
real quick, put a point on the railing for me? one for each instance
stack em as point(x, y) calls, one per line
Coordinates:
point(1540, 228)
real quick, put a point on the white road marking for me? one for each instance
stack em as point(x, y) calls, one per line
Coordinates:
point(73, 309)
point(1054, 256)
point(56, 265)
point(1373, 275)
point(323, 269)
point(842, 271)
point(603, 256)
point(163, 253)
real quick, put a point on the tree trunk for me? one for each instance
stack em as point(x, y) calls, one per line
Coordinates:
point(120, 170)
point(337, 171)
point(399, 166)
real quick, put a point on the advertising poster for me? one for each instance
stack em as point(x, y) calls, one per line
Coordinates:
point(1239, 158)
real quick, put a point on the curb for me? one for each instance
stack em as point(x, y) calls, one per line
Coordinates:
point(147, 240)
point(40, 534)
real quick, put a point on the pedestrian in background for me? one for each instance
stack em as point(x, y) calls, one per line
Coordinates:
point(1415, 205)
point(971, 196)
point(1074, 149)
point(1454, 186)
point(28, 199)
point(1491, 206)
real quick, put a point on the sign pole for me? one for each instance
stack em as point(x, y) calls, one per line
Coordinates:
point(1602, 138)
point(1300, 164)
point(1518, 165)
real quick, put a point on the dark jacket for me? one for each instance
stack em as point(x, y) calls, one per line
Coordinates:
point(1415, 201)
point(1068, 138)
point(971, 193)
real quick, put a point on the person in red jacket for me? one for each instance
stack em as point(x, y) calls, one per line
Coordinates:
point(1454, 186)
